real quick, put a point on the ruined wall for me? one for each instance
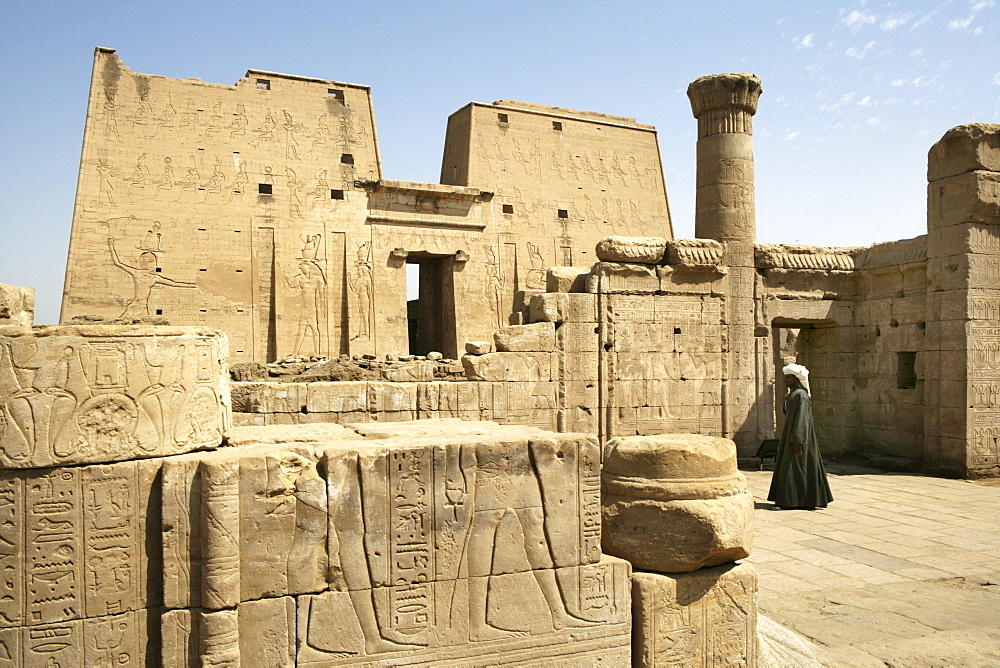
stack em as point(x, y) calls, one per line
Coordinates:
point(963, 266)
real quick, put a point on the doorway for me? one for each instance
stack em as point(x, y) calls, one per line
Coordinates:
point(430, 306)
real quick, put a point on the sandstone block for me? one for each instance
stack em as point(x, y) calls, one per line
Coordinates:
point(965, 148)
point(566, 279)
point(411, 371)
point(334, 397)
point(17, 305)
point(563, 307)
point(640, 250)
point(675, 503)
point(705, 618)
point(510, 367)
point(621, 278)
point(972, 197)
point(473, 620)
point(478, 347)
point(82, 394)
point(537, 337)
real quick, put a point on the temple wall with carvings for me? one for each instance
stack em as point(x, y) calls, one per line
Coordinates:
point(260, 208)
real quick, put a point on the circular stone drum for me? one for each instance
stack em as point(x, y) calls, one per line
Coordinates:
point(675, 503)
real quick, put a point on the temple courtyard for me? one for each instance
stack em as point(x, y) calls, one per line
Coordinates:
point(901, 570)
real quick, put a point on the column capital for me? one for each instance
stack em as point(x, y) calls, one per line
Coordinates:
point(739, 90)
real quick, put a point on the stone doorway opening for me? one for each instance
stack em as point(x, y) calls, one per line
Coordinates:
point(814, 345)
point(431, 316)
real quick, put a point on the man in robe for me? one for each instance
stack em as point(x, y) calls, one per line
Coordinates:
point(799, 479)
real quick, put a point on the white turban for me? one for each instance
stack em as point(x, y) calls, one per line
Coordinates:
point(799, 372)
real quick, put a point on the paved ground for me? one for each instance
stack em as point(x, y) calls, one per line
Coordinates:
point(900, 570)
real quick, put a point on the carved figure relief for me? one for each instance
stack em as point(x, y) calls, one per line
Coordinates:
point(139, 176)
point(493, 286)
point(294, 187)
point(265, 131)
point(240, 123)
point(106, 189)
point(110, 111)
point(291, 128)
point(144, 279)
point(308, 288)
point(536, 273)
point(362, 288)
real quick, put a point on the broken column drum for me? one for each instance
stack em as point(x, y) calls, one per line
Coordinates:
point(674, 503)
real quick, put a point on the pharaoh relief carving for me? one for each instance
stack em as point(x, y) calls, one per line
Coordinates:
point(69, 397)
point(143, 266)
point(308, 287)
point(494, 288)
point(361, 285)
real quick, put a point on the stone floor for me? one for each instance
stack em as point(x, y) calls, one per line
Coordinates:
point(900, 570)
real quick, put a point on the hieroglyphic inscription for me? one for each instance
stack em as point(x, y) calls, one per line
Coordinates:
point(53, 645)
point(984, 309)
point(11, 550)
point(110, 538)
point(590, 502)
point(984, 352)
point(113, 641)
point(412, 549)
point(986, 438)
point(54, 536)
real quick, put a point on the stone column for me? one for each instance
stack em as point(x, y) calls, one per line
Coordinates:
point(724, 105)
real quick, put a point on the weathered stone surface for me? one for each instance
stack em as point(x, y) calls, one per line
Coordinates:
point(566, 279)
point(471, 621)
point(296, 433)
point(965, 148)
point(675, 503)
point(17, 305)
point(636, 250)
point(537, 337)
point(563, 307)
point(621, 278)
point(510, 367)
point(705, 618)
point(80, 394)
point(695, 253)
point(478, 347)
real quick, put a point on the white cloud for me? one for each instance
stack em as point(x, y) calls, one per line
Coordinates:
point(894, 21)
point(857, 19)
point(804, 42)
point(916, 53)
point(791, 134)
point(874, 121)
point(860, 52)
point(847, 97)
point(898, 82)
point(866, 101)
point(965, 25)
point(996, 78)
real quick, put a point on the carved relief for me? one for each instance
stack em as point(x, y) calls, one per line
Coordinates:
point(362, 290)
point(74, 398)
point(144, 274)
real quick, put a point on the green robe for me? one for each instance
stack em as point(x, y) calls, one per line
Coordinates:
point(799, 481)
